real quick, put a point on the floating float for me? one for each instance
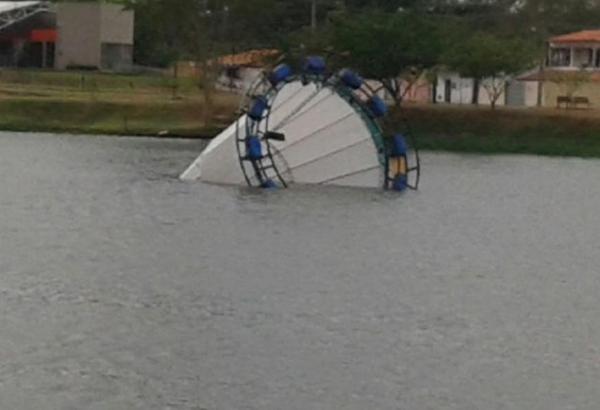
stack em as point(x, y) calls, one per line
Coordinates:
point(310, 127)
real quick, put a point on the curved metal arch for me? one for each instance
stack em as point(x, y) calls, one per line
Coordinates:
point(19, 11)
point(260, 166)
point(358, 99)
point(416, 169)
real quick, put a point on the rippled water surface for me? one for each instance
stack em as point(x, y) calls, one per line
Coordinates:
point(123, 288)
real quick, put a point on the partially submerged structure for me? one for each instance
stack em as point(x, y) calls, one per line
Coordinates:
point(312, 127)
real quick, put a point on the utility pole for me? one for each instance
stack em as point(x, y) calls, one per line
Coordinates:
point(313, 16)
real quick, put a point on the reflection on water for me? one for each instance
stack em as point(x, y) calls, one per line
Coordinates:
point(124, 288)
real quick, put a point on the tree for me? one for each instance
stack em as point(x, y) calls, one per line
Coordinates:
point(490, 60)
point(543, 18)
point(384, 45)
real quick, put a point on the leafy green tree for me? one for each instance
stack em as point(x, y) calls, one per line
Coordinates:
point(170, 29)
point(491, 58)
point(543, 18)
point(384, 45)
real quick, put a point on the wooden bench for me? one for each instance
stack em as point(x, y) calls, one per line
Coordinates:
point(572, 102)
point(581, 100)
point(563, 99)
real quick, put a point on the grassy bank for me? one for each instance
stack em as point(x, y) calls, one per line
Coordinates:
point(93, 103)
point(179, 118)
point(96, 103)
point(524, 131)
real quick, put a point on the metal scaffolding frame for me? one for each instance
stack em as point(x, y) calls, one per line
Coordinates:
point(12, 12)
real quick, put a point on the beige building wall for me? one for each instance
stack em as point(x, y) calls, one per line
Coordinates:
point(484, 96)
point(591, 90)
point(116, 24)
point(531, 93)
point(98, 35)
point(79, 29)
point(418, 92)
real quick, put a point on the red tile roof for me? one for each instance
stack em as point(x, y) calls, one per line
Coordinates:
point(586, 36)
point(253, 58)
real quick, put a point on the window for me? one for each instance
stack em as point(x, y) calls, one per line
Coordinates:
point(116, 56)
point(583, 57)
point(560, 57)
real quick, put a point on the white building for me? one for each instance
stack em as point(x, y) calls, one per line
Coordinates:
point(454, 89)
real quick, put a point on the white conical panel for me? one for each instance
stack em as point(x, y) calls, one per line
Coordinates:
point(219, 161)
point(327, 142)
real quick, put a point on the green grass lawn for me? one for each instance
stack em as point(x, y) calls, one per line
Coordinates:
point(96, 103)
point(95, 81)
point(120, 118)
point(521, 131)
point(92, 103)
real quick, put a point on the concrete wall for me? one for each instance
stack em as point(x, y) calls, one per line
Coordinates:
point(484, 96)
point(117, 57)
point(515, 93)
point(461, 90)
point(79, 36)
point(591, 90)
point(116, 24)
point(83, 29)
point(531, 93)
point(419, 92)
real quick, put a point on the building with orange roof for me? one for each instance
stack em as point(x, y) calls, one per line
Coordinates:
point(252, 58)
point(239, 71)
point(579, 37)
point(571, 72)
point(236, 71)
point(575, 50)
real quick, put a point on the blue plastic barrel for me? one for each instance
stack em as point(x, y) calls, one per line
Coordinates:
point(377, 106)
point(258, 108)
point(280, 74)
point(350, 79)
point(400, 182)
point(399, 147)
point(315, 65)
point(254, 148)
point(269, 184)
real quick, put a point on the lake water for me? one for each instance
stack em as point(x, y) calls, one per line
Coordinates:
point(124, 288)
